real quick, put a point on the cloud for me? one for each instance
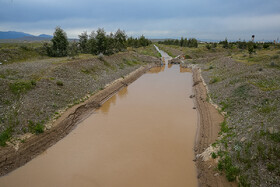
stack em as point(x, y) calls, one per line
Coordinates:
point(215, 19)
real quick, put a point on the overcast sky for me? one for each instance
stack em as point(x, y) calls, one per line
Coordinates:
point(203, 19)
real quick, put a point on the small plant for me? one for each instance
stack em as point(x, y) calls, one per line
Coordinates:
point(214, 80)
point(37, 128)
point(59, 83)
point(224, 127)
point(5, 136)
point(214, 155)
point(188, 57)
point(22, 86)
point(211, 67)
point(271, 167)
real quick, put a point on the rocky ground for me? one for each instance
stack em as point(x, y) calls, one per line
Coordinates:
point(247, 91)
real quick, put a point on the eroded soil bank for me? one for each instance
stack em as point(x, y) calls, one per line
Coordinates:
point(142, 136)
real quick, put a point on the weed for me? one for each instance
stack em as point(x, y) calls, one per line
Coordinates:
point(267, 85)
point(242, 91)
point(21, 86)
point(213, 155)
point(230, 170)
point(224, 127)
point(243, 181)
point(5, 136)
point(35, 128)
point(214, 80)
point(59, 83)
point(275, 137)
point(131, 62)
point(271, 167)
point(86, 71)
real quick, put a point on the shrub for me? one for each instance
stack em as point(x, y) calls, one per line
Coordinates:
point(266, 45)
point(208, 46)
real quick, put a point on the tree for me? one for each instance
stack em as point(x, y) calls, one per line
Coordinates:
point(84, 42)
point(225, 43)
point(182, 42)
point(59, 43)
point(120, 40)
point(92, 44)
point(110, 44)
point(73, 49)
point(101, 41)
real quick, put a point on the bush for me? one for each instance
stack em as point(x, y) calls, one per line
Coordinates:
point(266, 45)
point(208, 46)
point(251, 47)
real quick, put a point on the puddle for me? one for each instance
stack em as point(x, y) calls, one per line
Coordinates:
point(142, 137)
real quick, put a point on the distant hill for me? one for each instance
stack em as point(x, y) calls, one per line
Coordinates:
point(13, 35)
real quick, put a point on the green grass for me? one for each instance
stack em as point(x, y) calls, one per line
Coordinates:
point(131, 62)
point(267, 85)
point(224, 127)
point(242, 91)
point(214, 80)
point(19, 87)
point(149, 50)
point(225, 164)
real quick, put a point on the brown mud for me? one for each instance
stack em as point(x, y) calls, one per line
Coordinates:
point(11, 158)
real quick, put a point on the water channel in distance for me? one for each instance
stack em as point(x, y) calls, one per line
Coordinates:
point(141, 137)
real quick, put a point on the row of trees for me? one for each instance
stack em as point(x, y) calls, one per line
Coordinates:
point(243, 45)
point(183, 42)
point(95, 43)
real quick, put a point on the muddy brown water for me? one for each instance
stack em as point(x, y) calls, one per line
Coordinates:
point(142, 137)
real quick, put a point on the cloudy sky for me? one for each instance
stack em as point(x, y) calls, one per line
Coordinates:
point(203, 19)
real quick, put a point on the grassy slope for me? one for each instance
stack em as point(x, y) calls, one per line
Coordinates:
point(35, 92)
point(247, 88)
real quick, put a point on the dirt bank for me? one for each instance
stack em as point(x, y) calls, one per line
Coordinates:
point(208, 129)
point(11, 158)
